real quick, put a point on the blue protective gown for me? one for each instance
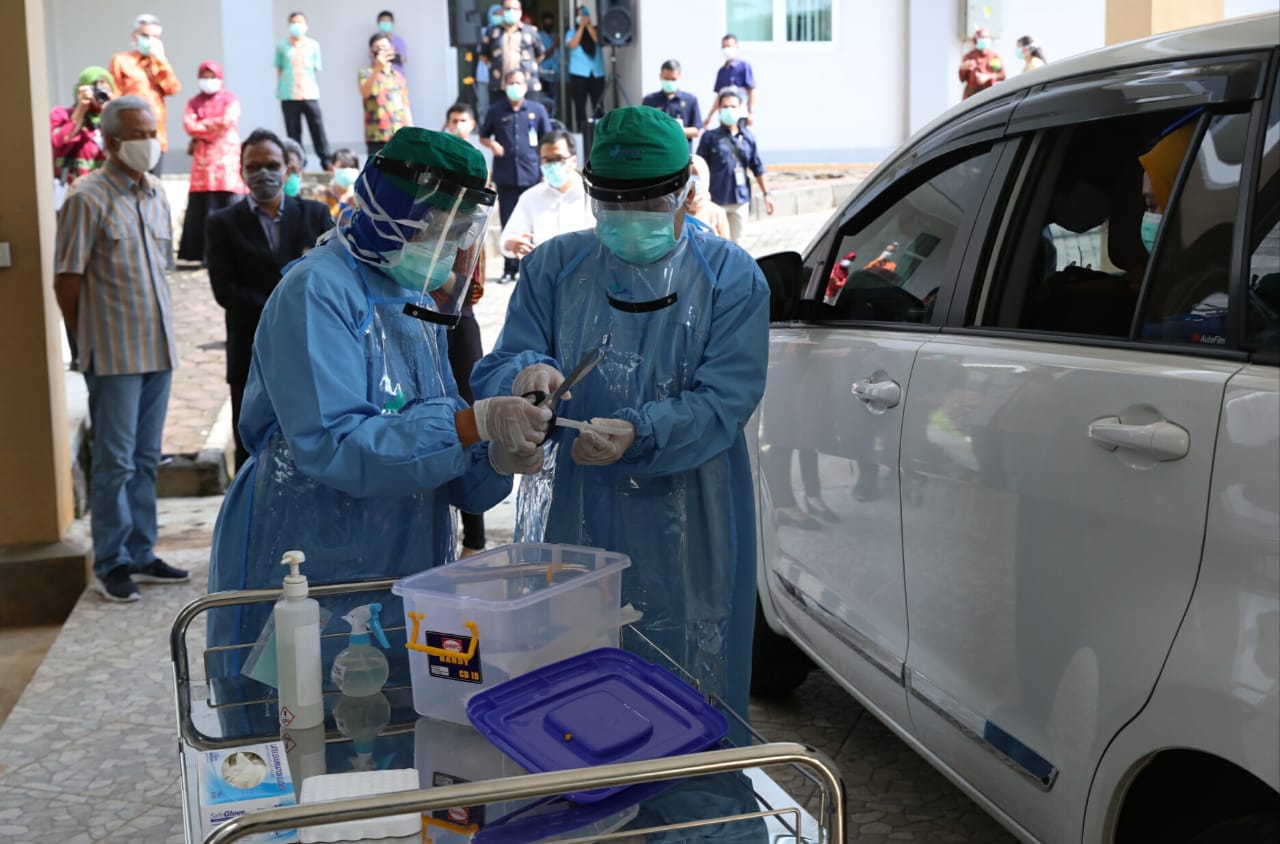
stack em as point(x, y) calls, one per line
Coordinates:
point(680, 501)
point(349, 417)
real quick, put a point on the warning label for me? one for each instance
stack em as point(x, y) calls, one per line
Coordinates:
point(450, 667)
point(286, 715)
point(461, 815)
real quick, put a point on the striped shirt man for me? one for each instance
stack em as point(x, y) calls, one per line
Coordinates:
point(116, 234)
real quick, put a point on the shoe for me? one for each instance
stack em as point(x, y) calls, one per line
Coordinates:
point(468, 552)
point(817, 507)
point(158, 571)
point(793, 517)
point(507, 279)
point(117, 586)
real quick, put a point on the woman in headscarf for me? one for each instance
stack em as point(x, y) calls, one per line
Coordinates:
point(77, 141)
point(212, 119)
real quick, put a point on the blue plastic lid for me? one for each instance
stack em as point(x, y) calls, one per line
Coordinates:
point(596, 708)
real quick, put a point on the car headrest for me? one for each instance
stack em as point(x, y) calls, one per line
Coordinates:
point(1079, 207)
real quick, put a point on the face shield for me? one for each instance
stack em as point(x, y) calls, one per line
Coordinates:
point(637, 224)
point(425, 229)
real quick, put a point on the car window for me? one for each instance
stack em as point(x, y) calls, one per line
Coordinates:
point(1186, 298)
point(1077, 234)
point(1262, 310)
point(890, 268)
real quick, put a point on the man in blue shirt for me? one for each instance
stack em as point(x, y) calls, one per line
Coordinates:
point(735, 73)
point(681, 105)
point(730, 150)
point(511, 128)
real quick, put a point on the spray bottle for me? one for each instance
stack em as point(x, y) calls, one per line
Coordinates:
point(297, 620)
point(361, 669)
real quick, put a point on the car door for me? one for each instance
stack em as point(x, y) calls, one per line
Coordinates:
point(1058, 436)
point(831, 417)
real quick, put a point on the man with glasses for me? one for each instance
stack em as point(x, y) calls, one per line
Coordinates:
point(556, 205)
point(247, 247)
point(679, 320)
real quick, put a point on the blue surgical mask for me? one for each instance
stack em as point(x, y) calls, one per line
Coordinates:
point(515, 92)
point(143, 43)
point(639, 237)
point(495, 20)
point(385, 26)
point(414, 265)
point(1150, 228)
point(510, 16)
point(670, 86)
point(556, 173)
point(728, 116)
point(293, 184)
point(297, 30)
point(983, 44)
point(345, 177)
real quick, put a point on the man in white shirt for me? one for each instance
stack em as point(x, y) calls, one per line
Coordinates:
point(556, 205)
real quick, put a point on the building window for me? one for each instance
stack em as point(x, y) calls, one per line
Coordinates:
point(779, 20)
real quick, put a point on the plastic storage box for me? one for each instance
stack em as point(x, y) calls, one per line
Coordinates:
point(481, 621)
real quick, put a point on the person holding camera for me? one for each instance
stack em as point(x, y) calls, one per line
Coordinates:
point(74, 130)
point(145, 72)
point(586, 68)
point(385, 93)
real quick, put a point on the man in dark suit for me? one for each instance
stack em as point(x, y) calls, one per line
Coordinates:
point(248, 245)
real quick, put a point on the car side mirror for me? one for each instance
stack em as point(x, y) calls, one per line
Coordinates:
point(785, 273)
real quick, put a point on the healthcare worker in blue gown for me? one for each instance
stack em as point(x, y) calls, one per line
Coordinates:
point(681, 317)
point(359, 440)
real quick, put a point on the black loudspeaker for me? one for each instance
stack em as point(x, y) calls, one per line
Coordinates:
point(467, 22)
point(617, 22)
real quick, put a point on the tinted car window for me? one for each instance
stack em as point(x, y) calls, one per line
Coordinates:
point(1262, 311)
point(889, 269)
point(1186, 297)
point(1079, 232)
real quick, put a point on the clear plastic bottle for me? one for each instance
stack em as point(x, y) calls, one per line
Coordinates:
point(361, 669)
point(297, 620)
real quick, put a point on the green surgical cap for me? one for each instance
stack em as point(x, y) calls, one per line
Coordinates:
point(638, 143)
point(438, 150)
point(90, 75)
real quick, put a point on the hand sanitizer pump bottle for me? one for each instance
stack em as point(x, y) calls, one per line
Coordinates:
point(297, 620)
point(361, 669)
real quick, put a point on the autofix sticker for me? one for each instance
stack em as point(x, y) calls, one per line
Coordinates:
point(451, 667)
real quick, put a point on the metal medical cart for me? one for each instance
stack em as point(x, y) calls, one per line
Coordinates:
point(210, 718)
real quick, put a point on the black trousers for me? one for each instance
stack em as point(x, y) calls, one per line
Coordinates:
point(508, 196)
point(199, 206)
point(237, 385)
point(374, 147)
point(581, 87)
point(294, 111)
point(464, 351)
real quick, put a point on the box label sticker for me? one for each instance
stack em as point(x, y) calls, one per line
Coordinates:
point(462, 815)
point(453, 668)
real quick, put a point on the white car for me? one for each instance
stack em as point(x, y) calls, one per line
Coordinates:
point(1019, 453)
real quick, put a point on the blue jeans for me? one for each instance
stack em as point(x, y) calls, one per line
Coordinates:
point(127, 412)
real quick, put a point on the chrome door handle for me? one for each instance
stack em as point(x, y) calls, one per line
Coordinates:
point(883, 394)
point(1162, 440)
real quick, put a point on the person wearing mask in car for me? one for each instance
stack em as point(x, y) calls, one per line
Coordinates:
point(735, 73)
point(358, 464)
point(679, 322)
point(75, 132)
point(246, 248)
point(731, 153)
point(981, 67)
point(145, 72)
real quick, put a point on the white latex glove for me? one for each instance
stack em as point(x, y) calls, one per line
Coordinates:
point(540, 376)
point(512, 422)
point(507, 462)
point(604, 445)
